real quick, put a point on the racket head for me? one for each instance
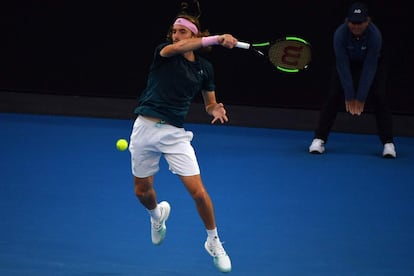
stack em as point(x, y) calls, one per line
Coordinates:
point(290, 54)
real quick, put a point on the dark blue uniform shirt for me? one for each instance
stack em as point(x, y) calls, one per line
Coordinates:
point(365, 50)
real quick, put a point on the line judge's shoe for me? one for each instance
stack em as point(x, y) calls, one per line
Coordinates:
point(158, 228)
point(389, 151)
point(220, 257)
point(317, 146)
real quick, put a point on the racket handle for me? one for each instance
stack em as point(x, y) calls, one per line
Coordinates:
point(243, 45)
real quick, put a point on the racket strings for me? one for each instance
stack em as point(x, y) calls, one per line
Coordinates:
point(292, 55)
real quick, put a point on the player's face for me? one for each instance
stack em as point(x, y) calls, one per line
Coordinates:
point(179, 32)
point(357, 28)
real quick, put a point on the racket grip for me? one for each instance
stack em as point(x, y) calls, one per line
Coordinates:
point(243, 45)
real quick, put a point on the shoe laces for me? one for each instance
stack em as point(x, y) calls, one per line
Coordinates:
point(216, 248)
point(318, 142)
point(157, 224)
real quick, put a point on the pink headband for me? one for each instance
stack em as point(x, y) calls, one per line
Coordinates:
point(186, 23)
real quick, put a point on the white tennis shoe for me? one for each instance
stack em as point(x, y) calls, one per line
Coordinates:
point(389, 151)
point(317, 146)
point(158, 228)
point(220, 257)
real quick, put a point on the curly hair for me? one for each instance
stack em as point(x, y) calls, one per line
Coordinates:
point(192, 12)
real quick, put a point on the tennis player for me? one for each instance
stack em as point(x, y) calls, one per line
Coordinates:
point(177, 74)
point(358, 76)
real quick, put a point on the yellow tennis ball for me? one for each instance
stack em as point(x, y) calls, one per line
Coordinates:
point(122, 144)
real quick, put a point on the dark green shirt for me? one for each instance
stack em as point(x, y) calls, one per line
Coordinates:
point(172, 84)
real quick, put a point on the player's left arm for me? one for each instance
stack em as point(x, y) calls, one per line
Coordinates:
point(213, 108)
point(193, 43)
point(182, 46)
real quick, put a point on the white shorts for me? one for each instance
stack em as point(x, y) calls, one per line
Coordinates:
point(149, 140)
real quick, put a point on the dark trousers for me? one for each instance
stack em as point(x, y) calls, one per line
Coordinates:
point(377, 98)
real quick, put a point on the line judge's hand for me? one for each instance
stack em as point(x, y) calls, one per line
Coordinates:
point(354, 107)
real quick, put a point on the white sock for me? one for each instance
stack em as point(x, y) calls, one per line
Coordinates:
point(212, 234)
point(155, 213)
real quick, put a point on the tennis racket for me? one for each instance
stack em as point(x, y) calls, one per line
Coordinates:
point(289, 54)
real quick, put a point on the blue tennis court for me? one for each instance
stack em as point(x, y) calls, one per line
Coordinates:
point(67, 205)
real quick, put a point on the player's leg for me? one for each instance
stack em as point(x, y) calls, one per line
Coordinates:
point(182, 161)
point(145, 163)
point(144, 191)
point(159, 213)
point(203, 202)
point(201, 199)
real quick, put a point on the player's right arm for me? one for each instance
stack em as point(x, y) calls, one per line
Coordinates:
point(194, 43)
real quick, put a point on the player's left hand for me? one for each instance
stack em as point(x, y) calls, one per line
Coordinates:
point(219, 113)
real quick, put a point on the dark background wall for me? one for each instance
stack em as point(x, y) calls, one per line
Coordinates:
point(104, 48)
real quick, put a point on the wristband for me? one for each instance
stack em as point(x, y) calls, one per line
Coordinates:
point(209, 40)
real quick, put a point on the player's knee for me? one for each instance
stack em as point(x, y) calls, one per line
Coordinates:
point(142, 186)
point(200, 196)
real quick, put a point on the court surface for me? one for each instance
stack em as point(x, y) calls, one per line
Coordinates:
point(67, 205)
